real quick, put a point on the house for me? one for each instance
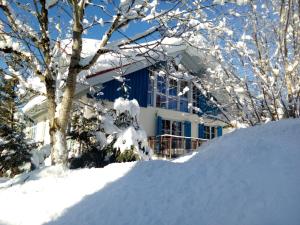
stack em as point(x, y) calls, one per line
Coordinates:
point(172, 106)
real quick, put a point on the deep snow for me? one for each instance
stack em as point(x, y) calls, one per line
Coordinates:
point(248, 177)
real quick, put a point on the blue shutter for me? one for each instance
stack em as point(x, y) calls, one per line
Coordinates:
point(220, 131)
point(200, 130)
point(158, 126)
point(188, 133)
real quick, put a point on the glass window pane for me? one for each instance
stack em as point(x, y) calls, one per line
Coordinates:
point(184, 105)
point(172, 104)
point(150, 91)
point(161, 84)
point(172, 87)
point(213, 132)
point(161, 101)
point(166, 126)
point(184, 84)
point(206, 132)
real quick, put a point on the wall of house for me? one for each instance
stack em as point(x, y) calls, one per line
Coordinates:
point(148, 118)
point(149, 115)
point(39, 130)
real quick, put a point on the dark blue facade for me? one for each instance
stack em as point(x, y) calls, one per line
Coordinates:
point(137, 83)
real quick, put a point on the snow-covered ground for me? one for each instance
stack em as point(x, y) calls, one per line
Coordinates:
point(248, 177)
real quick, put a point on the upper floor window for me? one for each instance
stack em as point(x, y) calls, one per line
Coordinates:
point(161, 98)
point(161, 101)
point(196, 100)
point(150, 90)
point(173, 85)
point(161, 84)
point(172, 93)
point(184, 87)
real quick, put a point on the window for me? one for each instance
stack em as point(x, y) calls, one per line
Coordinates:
point(183, 86)
point(172, 127)
point(206, 132)
point(150, 90)
point(184, 105)
point(161, 84)
point(196, 100)
point(177, 128)
point(161, 98)
point(166, 93)
point(184, 97)
point(213, 133)
point(166, 126)
point(161, 101)
point(172, 87)
point(172, 103)
point(173, 98)
point(210, 132)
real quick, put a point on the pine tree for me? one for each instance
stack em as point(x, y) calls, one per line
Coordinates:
point(15, 154)
point(8, 101)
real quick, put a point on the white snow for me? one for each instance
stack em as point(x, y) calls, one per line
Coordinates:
point(122, 105)
point(248, 177)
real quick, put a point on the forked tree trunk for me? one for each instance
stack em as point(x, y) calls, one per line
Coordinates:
point(59, 118)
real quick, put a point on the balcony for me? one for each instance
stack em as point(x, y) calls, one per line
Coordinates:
point(172, 146)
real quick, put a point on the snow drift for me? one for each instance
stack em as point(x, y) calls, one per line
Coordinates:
point(248, 177)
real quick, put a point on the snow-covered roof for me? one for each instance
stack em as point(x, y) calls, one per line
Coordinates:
point(129, 59)
point(134, 57)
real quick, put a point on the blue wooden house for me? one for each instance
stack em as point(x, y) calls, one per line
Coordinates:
point(173, 109)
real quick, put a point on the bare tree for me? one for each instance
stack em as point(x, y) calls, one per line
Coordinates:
point(256, 55)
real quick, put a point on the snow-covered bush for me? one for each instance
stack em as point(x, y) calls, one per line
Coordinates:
point(100, 136)
point(132, 136)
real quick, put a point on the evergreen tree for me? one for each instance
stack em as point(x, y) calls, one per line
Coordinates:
point(8, 101)
point(15, 154)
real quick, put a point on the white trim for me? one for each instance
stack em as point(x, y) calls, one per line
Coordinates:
point(154, 91)
point(171, 135)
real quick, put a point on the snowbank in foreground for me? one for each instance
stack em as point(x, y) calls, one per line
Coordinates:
point(248, 177)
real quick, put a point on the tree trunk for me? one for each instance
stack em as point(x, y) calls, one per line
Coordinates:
point(59, 151)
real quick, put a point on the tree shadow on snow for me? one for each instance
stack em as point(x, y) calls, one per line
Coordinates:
point(142, 196)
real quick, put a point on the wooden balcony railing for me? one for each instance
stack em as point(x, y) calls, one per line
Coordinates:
point(172, 146)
